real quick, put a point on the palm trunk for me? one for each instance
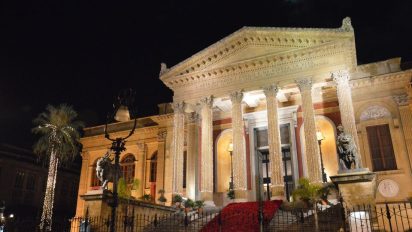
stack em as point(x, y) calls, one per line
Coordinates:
point(46, 217)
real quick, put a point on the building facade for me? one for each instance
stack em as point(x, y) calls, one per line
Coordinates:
point(267, 91)
point(23, 182)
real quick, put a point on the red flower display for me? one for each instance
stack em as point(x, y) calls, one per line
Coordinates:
point(241, 217)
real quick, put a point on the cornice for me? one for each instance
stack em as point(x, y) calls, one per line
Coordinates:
point(257, 36)
point(382, 79)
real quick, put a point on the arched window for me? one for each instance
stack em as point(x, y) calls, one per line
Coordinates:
point(127, 166)
point(95, 182)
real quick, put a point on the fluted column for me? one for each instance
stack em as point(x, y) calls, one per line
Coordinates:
point(239, 153)
point(207, 148)
point(274, 140)
point(178, 146)
point(311, 142)
point(347, 115)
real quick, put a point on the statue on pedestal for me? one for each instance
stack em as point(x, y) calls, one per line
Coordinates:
point(346, 150)
point(105, 170)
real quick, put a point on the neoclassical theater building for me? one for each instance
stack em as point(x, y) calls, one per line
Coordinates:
point(269, 92)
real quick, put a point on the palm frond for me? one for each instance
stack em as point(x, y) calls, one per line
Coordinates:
point(59, 131)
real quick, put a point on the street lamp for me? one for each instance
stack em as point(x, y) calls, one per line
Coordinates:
point(230, 150)
point(320, 137)
point(122, 108)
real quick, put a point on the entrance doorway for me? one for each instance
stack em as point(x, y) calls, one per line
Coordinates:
point(262, 161)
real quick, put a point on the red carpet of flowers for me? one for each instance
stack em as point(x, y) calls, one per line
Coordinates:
point(242, 217)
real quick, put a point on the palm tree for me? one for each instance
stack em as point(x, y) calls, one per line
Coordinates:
point(58, 143)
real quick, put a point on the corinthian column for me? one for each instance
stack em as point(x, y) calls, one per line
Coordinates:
point(341, 78)
point(311, 142)
point(239, 154)
point(274, 140)
point(207, 148)
point(178, 146)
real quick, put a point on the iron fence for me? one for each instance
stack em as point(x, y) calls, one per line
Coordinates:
point(379, 217)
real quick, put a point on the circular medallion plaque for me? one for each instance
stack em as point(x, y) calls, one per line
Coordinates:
point(388, 188)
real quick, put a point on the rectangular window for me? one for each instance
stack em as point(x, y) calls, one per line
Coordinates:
point(153, 169)
point(30, 182)
point(381, 148)
point(184, 168)
point(18, 182)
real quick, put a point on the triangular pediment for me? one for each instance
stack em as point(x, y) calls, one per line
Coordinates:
point(251, 43)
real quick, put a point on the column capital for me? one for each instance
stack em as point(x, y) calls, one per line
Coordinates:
point(340, 77)
point(141, 146)
point(206, 101)
point(193, 117)
point(304, 84)
point(401, 100)
point(161, 135)
point(178, 107)
point(236, 97)
point(271, 90)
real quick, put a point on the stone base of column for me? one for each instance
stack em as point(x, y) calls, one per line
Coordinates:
point(208, 198)
point(278, 192)
point(356, 188)
point(241, 196)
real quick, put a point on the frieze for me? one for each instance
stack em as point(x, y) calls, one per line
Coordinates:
point(382, 79)
point(248, 79)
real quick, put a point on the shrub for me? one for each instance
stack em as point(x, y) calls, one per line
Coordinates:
point(177, 198)
point(162, 197)
point(199, 204)
point(189, 203)
point(231, 194)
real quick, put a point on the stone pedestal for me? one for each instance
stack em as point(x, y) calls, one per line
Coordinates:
point(97, 203)
point(357, 187)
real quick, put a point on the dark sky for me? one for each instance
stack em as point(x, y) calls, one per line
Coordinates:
point(83, 52)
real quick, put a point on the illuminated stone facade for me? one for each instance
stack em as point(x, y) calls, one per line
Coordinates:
point(268, 90)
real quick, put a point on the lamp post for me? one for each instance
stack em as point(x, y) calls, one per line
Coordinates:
point(230, 150)
point(122, 108)
point(320, 137)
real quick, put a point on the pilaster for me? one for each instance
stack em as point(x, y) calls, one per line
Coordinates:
point(192, 155)
point(83, 183)
point(161, 160)
point(406, 119)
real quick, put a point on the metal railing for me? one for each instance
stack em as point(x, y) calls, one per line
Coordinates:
point(379, 217)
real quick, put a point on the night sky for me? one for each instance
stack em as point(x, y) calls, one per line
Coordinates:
point(83, 52)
